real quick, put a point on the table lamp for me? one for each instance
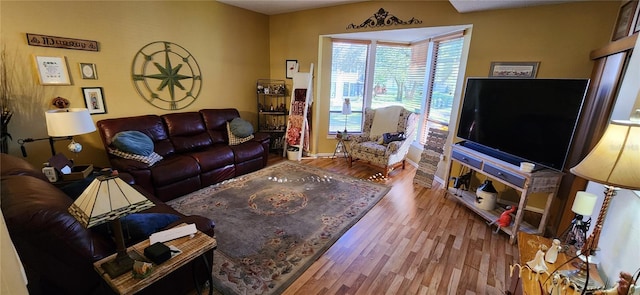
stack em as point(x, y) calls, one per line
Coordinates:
point(67, 123)
point(613, 162)
point(583, 205)
point(108, 198)
point(346, 111)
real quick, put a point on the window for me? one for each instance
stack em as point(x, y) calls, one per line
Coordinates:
point(420, 76)
point(348, 67)
point(399, 74)
point(442, 83)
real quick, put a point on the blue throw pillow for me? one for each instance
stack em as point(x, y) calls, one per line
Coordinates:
point(241, 128)
point(137, 227)
point(134, 142)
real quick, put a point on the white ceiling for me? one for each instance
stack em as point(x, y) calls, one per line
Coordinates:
point(271, 7)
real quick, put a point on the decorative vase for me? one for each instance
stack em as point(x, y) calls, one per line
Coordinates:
point(486, 196)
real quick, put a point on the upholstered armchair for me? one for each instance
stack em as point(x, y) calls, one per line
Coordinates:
point(370, 146)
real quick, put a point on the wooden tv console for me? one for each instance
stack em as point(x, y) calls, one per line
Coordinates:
point(526, 183)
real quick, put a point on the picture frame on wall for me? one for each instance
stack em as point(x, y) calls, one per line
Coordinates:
point(88, 71)
point(292, 67)
point(94, 100)
point(52, 70)
point(625, 19)
point(514, 69)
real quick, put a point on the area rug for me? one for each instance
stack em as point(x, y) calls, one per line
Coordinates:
point(271, 225)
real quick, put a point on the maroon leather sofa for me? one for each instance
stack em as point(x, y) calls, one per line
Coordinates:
point(195, 150)
point(57, 252)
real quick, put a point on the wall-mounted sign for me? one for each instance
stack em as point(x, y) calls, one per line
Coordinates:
point(383, 18)
point(61, 42)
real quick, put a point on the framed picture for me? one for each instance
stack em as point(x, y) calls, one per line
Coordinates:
point(94, 100)
point(292, 67)
point(88, 71)
point(514, 69)
point(52, 70)
point(625, 17)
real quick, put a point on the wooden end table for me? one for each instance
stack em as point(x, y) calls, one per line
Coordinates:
point(341, 148)
point(191, 248)
point(527, 248)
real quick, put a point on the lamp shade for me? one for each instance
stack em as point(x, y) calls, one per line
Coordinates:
point(69, 122)
point(346, 107)
point(107, 198)
point(584, 203)
point(615, 158)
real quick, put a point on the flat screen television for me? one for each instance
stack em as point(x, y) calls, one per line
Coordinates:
point(522, 120)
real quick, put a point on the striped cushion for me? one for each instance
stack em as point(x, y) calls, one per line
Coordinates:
point(234, 140)
point(149, 160)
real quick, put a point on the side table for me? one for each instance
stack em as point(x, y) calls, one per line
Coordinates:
point(341, 148)
point(525, 284)
point(191, 248)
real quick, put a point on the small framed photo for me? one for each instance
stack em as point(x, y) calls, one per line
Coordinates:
point(94, 100)
point(625, 19)
point(514, 69)
point(52, 70)
point(292, 67)
point(88, 71)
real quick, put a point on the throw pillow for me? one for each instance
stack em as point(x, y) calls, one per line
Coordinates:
point(385, 120)
point(241, 128)
point(134, 142)
point(137, 227)
point(149, 160)
point(235, 140)
point(394, 136)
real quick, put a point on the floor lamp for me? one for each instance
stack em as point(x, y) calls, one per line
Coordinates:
point(613, 162)
point(346, 111)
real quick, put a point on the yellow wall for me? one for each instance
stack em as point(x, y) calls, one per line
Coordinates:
point(231, 46)
point(559, 36)
point(234, 47)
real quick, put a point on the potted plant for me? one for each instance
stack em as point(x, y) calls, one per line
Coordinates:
point(20, 95)
point(6, 92)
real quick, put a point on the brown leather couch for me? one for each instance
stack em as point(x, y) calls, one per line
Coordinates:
point(57, 252)
point(195, 150)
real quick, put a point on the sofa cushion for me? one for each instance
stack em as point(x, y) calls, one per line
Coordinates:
point(241, 128)
point(187, 131)
point(11, 165)
point(392, 136)
point(149, 160)
point(216, 123)
point(151, 125)
point(385, 120)
point(174, 169)
point(137, 227)
point(235, 140)
point(216, 156)
point(134, 142)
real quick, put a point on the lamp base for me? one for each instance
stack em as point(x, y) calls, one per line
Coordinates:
point(119, 265)
point(578, 277)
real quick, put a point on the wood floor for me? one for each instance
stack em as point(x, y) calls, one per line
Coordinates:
point(414, 241)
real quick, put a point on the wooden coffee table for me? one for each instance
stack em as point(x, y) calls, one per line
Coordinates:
point(191, 248)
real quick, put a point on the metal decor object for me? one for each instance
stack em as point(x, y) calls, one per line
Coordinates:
point(166, 75)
